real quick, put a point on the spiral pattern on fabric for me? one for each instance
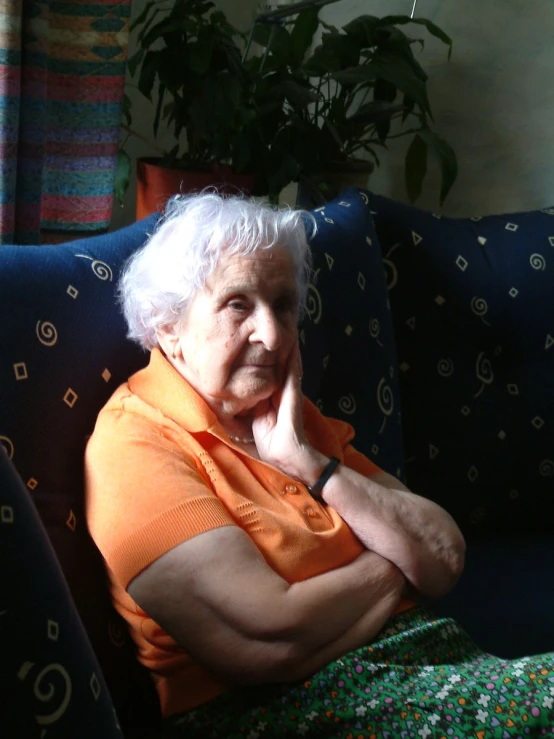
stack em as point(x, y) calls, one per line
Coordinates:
point(385, 397)
point(445, 367)
point(479, 306)
point(102, 270)
point(483, 369)
point(48, 689)
point(347, 404)
point(546, 468)
point(391, 273)
point(537, 261)
point(313, 304)
point(46, 333)
point(374, 328)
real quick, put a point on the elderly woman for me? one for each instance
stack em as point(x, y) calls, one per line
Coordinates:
point(267, 570)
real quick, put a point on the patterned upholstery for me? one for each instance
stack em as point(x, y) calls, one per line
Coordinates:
point(473, 309)
point(50, 681)
point(347, 339)
point(64, 351)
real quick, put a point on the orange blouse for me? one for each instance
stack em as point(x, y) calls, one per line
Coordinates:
point(160, 469)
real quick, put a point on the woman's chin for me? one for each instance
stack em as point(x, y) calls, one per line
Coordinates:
point(253, 393)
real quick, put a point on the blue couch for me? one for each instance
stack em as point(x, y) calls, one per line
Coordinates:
point(434, 337)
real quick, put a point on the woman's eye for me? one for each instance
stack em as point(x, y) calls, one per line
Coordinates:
point(238, 305)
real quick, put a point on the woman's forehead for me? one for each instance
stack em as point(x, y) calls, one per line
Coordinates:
point(274, 265)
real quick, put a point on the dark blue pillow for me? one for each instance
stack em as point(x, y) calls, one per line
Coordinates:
point(63, 352)
point(49, 676)
point(473, 308)
point(346, 338)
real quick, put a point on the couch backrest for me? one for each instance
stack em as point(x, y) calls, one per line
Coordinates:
point(473, 309)
point(63, 352)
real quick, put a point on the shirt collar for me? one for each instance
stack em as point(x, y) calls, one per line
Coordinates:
point(161, 386)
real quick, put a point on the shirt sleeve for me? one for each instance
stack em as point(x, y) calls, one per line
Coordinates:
point(144, 494)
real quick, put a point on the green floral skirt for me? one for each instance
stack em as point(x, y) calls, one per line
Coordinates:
point(422, 678)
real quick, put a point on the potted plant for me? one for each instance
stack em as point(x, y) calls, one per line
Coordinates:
point(358, 88)
point(280, 111)
point(188, 63)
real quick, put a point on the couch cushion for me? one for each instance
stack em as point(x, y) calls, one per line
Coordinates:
point(346, 338)
point(50, 675)
point(63, 352)
point(473, 310)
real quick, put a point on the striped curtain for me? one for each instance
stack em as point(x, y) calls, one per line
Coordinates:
point(62, 75)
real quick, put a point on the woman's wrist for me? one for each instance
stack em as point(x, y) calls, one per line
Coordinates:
point(307, 466)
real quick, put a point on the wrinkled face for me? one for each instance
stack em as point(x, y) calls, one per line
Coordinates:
point(238, 332)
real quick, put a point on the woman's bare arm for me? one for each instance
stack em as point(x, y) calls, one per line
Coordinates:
point(414, 533)
point(419, 536)
point(218, 598)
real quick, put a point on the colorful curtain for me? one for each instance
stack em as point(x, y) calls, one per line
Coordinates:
point(62, 75)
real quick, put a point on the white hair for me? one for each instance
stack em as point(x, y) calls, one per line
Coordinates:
point(161, 278)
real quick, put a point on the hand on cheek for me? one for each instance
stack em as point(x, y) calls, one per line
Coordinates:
point(278, 424)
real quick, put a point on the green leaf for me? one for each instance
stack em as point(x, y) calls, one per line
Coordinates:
point(134, 61)
point(126, 107)
point(337, 51)
point(446, 157)
point(400, 74)
point(148, 73)
point(415, 167)
point(305, 26)
point(356, 75)
point(279, 43)
point(122, 175)
point(383, 90)
point(141, 18)
point(375, 112)
point(261, 33)
point(362, 29)
point(324, 60)
point(432, 28)
point(165, 27)
point(328, 27)
point(200, 53)
point(299, 96)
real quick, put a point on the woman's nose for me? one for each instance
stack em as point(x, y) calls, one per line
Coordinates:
point(267, 329)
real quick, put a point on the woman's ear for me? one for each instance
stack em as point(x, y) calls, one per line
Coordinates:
point(168, 339)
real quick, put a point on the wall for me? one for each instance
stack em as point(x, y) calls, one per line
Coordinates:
point(494, 101)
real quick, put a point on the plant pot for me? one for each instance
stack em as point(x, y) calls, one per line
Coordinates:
point(337, 177)
point(156, 184)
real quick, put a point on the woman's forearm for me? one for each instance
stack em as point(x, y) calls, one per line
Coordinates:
point(244, 621)
point(417, 535)
point(325, 617)
point(328, 606)
point(361, 632)
point(414, 533)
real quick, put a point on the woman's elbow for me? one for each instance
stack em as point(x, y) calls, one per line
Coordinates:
point(449, 566)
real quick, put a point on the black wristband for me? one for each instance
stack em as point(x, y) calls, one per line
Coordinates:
point(317, 487)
